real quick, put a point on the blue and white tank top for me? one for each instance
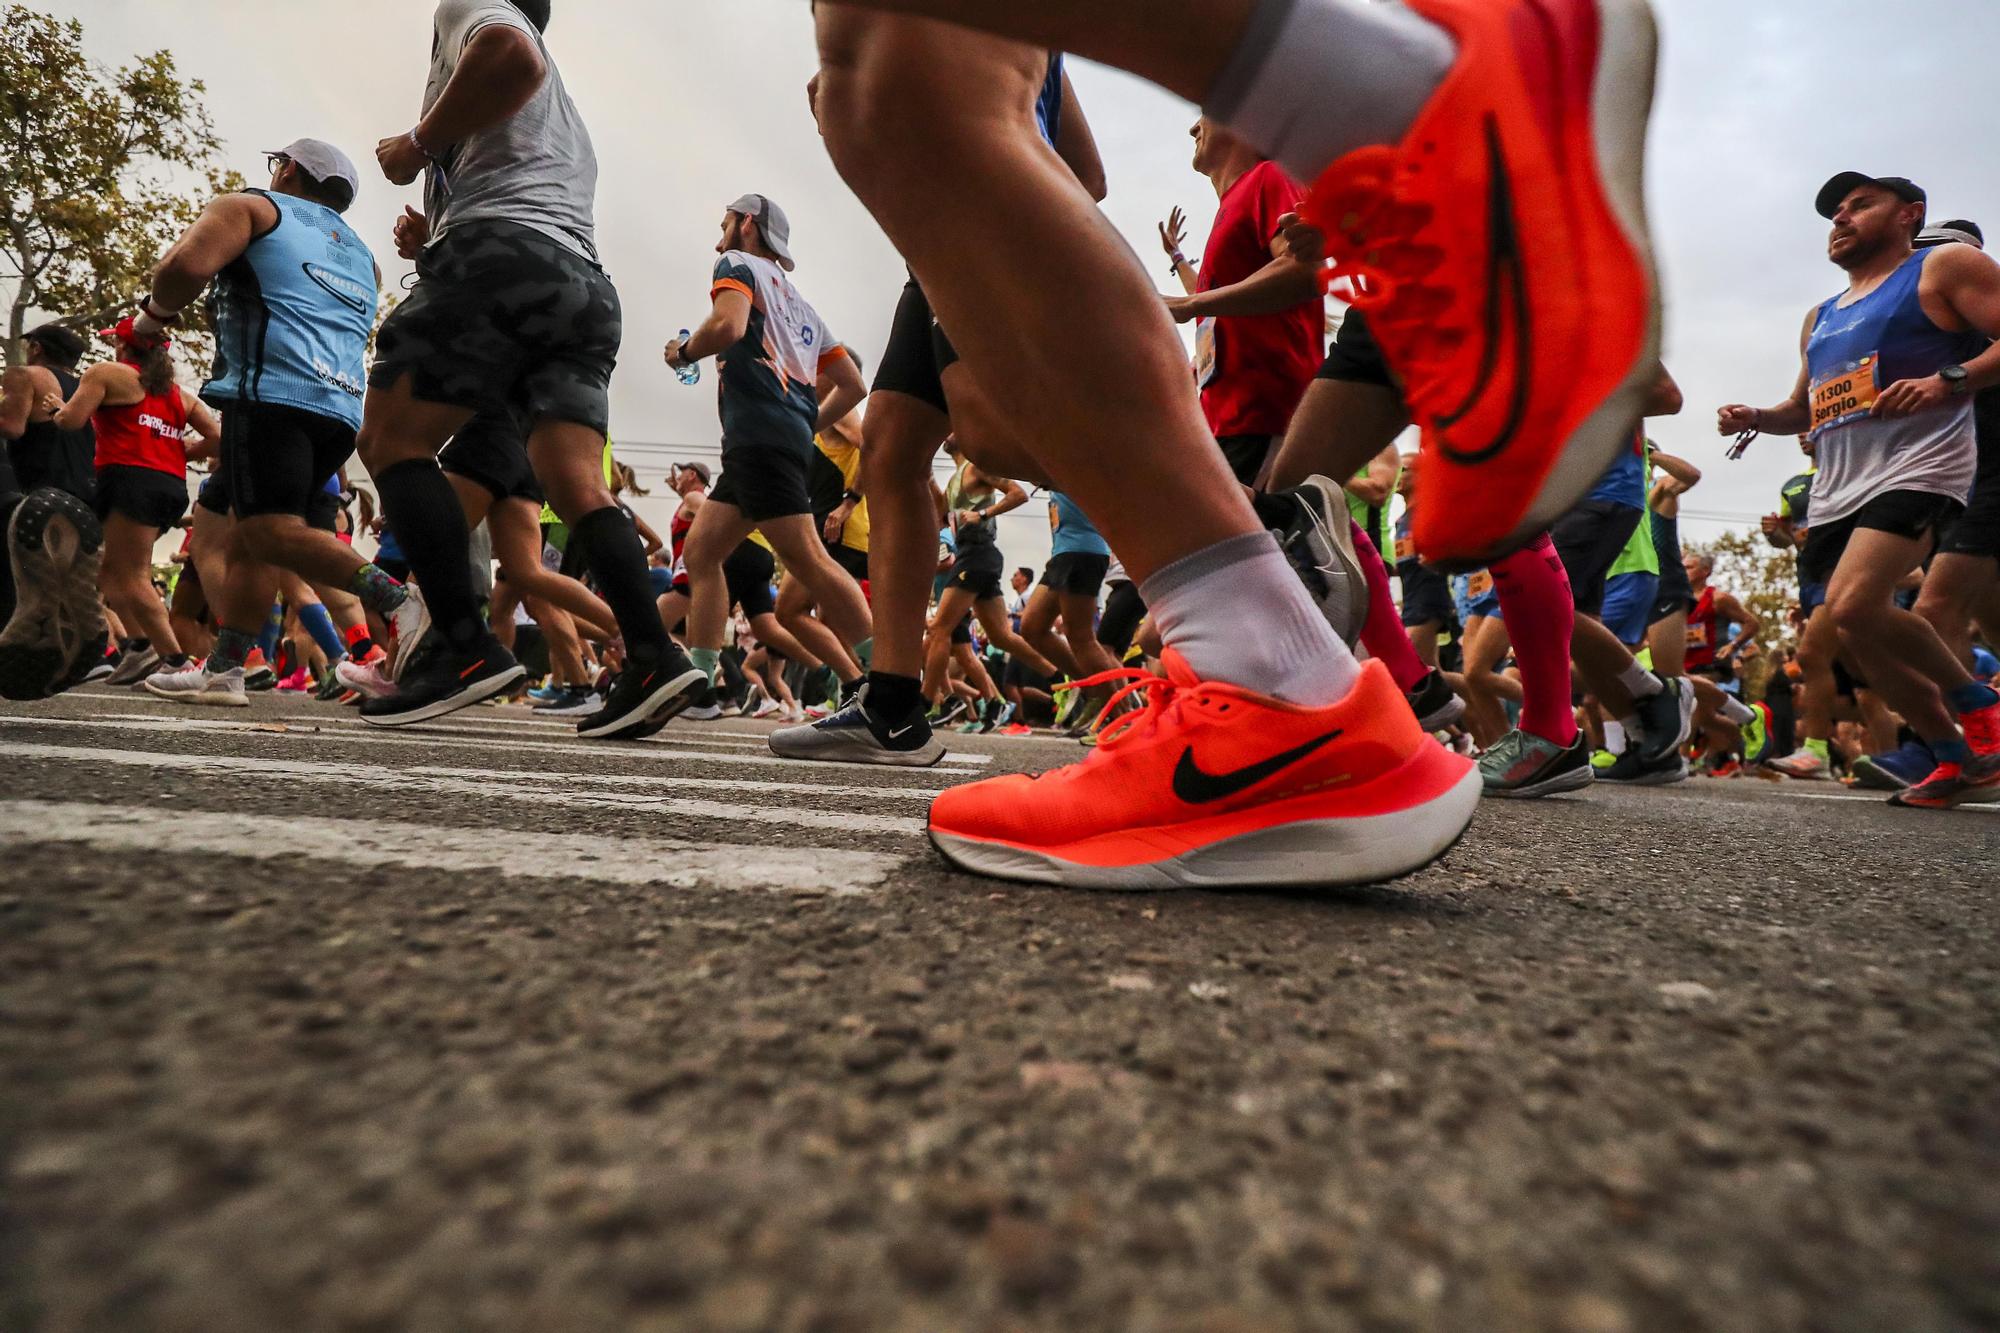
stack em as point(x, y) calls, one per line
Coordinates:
point(1048, 105)
point(293, 313)
point(1852, 354)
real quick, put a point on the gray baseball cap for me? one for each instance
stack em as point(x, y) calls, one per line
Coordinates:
point(772, 222)
point(322, 161)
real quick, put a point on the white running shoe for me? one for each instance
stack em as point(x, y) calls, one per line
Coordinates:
point(370, 680)
point(768, 707)
point(408, 624)
point(196, 684)
point(1802, 764)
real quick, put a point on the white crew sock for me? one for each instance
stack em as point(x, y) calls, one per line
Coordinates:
point(1630, 726)
point(1313, 80)
point(1734, 710)
point(1238, 614)
point(1642, 683)
point(1614, 738)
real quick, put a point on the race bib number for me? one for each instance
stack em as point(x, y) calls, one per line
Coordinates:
point(1698, 635)
point(1206, 362)
point(1406, 549)
point(1478, 584)
point(1848, 394)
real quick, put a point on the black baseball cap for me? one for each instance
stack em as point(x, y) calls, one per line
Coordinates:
point(1837, 189)
point(63, 344)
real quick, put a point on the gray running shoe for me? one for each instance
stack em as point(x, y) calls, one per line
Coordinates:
point(135, 666)
point(196, 684)
point(854, 735)
point(56, 635)
point(1319, 543)
point(1520, 766)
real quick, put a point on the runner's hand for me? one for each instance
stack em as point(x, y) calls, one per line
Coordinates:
point(1772, 525)
point(1181, 308)
point(413, 233)
point(51, 403)
point(400, 159)
point(1906, 398)
point(674, 358)
point(1172, 232)
point(1735, 419)
point(1306, 242)
point(836, 523)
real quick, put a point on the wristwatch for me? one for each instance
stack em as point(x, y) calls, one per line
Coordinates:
point(1955, 379)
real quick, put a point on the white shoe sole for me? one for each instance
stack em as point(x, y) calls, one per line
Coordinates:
point(206, 698)
point(816, 748)
point(1323, 853)
point(1621, 107)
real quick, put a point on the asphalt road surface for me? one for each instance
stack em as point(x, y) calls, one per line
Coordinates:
point(305, 1026)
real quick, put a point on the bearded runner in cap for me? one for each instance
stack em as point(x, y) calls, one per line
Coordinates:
point(512, 309)
point(1892, 365)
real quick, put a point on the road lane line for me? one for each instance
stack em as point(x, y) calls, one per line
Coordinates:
point(155, 831)
point(407, 736)
point(384, 778)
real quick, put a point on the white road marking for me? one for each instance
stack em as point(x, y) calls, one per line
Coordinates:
point(155, 831)
point(418, 736)
point(673, 735)
point(557, 790)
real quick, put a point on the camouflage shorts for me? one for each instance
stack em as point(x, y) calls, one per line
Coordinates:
point(503, 315)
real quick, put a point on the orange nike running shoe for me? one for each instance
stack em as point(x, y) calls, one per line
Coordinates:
point(1209, 785)
point(1501, 255)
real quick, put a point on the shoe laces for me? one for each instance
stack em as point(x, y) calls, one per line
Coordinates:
point(1152, 697)
point(1373, 235)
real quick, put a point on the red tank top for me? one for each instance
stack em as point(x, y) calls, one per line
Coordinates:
point(677, 531)
point(1701, 631)
point(145, 434)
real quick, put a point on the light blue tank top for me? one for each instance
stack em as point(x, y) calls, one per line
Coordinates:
point(293, 313)
point(1074, 533)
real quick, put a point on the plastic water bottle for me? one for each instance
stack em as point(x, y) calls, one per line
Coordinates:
point(688, 374)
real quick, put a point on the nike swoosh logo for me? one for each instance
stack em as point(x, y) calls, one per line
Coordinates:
point(1503, 270)
point(1195, 787)
point(898, 735)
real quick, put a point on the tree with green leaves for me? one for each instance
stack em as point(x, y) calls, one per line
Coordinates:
point(95, 175)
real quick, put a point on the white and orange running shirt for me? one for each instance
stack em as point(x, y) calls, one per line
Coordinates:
point(768, 380)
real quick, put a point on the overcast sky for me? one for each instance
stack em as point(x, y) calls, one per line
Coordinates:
point(693, 102)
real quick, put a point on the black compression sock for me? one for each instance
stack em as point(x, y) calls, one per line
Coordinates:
point(893, 697)
point(617, 561)
point(423, 511)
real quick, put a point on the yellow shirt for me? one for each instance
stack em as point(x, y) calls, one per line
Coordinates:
point(847, 457)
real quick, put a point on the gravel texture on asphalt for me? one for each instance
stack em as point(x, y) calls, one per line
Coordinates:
point(1721, 1056)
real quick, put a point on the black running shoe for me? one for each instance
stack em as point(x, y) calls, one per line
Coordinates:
point(56, 635)
point(1435, 703)
point(1628, 769)
point(1666, 720)
point(440, 679)
point(644, 699)
point(855, 735)
point(953, 711)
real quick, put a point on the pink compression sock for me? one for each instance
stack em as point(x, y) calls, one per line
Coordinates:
point(1384, 636)
point(1540, 612)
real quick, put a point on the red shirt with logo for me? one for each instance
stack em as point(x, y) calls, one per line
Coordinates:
point(144, 434)
point(1253, 369)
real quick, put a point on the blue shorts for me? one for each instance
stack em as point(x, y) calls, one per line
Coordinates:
point(1628, 605)
point(1812, 595)
point(1487, 603)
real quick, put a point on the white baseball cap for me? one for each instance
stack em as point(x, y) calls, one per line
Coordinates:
point(321, 161)
point(772, 222)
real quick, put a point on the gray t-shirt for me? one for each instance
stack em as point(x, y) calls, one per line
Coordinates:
point(537, 168)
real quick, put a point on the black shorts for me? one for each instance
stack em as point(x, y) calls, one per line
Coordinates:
point(1247, 455)
point(918, 354)
point(275, 459)
point(1355, 357)
point(1076, 574)
point(978, 570)
point(1676, 594)
point(764, 479)
point(748, 571)
point(853, 561)
point(1123, 610)
point(1426, 595)
point(323, 511)
point(143, 494)
point(1977, 531)
point(1590, 538)
point(1909, 514)
point(962, 631)
point(492, 451)
point(504, 314)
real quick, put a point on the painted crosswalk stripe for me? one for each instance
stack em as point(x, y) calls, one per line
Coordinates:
point(650, 751)
point(567, 790)
point(156, 831)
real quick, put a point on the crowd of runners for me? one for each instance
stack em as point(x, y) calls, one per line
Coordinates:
point(1295, 654)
